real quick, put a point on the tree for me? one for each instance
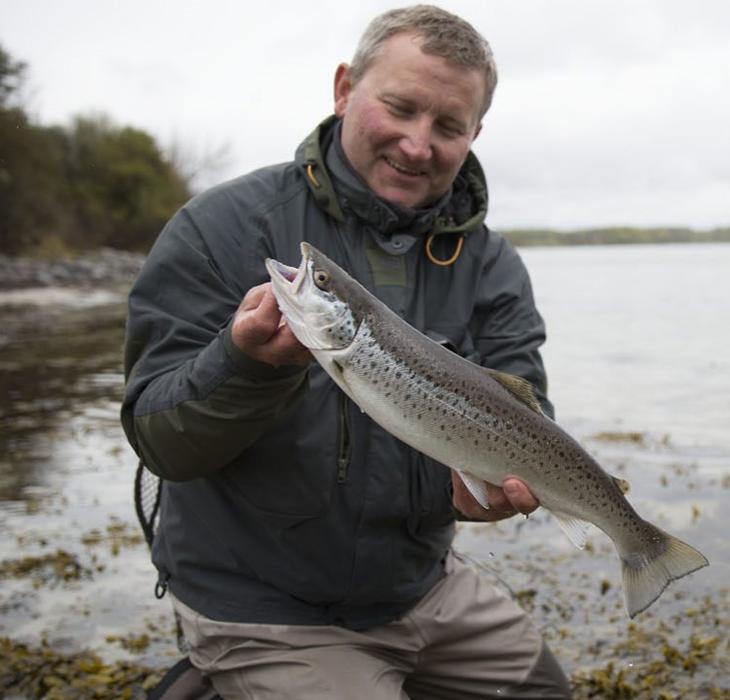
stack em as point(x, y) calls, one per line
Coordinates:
point(122, 186)
point(88, 185)
point(12, 76)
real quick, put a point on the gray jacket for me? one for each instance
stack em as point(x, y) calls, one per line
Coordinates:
point(282, 502)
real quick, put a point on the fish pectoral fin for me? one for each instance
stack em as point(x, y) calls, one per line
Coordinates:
point(334, 365)
point(476, 487)
point(517, 386)
point(576, 529)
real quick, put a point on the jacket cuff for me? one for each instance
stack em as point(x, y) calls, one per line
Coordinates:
point(250, 367)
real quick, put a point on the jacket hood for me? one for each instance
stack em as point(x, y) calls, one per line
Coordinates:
point(462, 210)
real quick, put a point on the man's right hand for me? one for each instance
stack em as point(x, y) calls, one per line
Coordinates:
point(260, 331)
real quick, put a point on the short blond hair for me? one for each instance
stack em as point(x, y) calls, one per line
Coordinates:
point(441, 33)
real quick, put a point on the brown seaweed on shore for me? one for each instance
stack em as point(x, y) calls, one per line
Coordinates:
point(44, 673)
point(56, 567)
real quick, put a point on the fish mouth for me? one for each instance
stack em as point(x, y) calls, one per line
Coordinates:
point(286, 277)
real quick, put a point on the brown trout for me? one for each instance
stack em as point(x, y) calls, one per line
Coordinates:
point(484, 424)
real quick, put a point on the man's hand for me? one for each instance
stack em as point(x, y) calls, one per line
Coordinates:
point(514, 497)
point(259, 330)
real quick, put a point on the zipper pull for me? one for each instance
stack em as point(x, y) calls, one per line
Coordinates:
point(161, 586)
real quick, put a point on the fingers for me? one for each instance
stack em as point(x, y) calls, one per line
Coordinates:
point(519, 496)
point(284, 348)
point(254, 295)
point(465, 503)
point(258, 330)
point(258, 316)
point(514, 497)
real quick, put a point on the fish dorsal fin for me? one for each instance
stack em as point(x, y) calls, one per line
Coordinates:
point(517, 386)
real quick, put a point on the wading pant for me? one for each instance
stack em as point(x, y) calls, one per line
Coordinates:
point(465, 640)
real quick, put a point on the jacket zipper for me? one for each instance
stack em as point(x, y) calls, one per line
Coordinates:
point(343, 452)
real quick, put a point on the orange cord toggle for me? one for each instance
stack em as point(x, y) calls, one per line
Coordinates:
point(451, 260)
point(310, 175)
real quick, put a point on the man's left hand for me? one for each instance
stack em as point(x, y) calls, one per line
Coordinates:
point(513, 497)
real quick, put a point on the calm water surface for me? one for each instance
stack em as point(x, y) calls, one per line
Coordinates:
point(637, 349)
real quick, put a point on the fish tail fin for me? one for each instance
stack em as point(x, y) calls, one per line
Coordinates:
point(649, 570)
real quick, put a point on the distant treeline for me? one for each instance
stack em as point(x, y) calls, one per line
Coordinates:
point(78, 187)
point(618, 235)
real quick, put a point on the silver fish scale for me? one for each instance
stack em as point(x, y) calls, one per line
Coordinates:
point(477, 428)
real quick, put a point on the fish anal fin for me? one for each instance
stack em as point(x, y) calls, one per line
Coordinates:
point(517, 386)
point(476, 487)
point(576, 529)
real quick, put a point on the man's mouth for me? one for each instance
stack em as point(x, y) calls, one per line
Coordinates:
point(401, 168)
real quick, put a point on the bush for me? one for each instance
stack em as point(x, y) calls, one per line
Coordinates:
point(84, 186)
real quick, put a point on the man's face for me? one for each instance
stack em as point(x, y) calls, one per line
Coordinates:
point(410, 120)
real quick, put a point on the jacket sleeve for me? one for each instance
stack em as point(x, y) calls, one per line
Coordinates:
point(193, 401)
point(509, 329)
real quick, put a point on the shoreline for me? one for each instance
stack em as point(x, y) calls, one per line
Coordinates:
point(112, 268)
point(103, 268)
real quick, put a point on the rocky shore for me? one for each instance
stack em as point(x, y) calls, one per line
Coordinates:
point(105, 267)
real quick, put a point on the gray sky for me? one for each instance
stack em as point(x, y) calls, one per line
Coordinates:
point(608, 112)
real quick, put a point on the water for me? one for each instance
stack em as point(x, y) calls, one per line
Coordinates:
point(639, 372)
point(638, 336)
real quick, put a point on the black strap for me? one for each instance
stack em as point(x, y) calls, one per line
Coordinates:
point(183, 682)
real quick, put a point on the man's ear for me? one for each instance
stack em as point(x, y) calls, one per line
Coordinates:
point(477, 131)
point(343, 87)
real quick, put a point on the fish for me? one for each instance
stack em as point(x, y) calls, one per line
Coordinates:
point(482, 423)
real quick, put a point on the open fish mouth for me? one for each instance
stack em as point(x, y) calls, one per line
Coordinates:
point(285, 278)
point(286, 283)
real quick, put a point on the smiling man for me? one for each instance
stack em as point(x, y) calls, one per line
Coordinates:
point(409, 120)
point(308, 551)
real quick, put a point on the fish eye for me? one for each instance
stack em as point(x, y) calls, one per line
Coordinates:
point(321, 278)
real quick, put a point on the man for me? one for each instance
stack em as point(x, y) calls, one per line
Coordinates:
point(307, 550)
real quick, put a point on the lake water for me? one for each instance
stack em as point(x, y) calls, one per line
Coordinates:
point(639, 372)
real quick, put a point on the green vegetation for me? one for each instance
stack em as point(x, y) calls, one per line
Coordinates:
point(78, 187)
point(612, 236)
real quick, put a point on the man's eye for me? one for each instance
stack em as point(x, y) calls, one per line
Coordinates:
point(398, 110)
point(450, 130)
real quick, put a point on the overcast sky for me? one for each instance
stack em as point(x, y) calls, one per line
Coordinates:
point(608, 112)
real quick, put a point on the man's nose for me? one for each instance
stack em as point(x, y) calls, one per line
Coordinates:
point(416, 141)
